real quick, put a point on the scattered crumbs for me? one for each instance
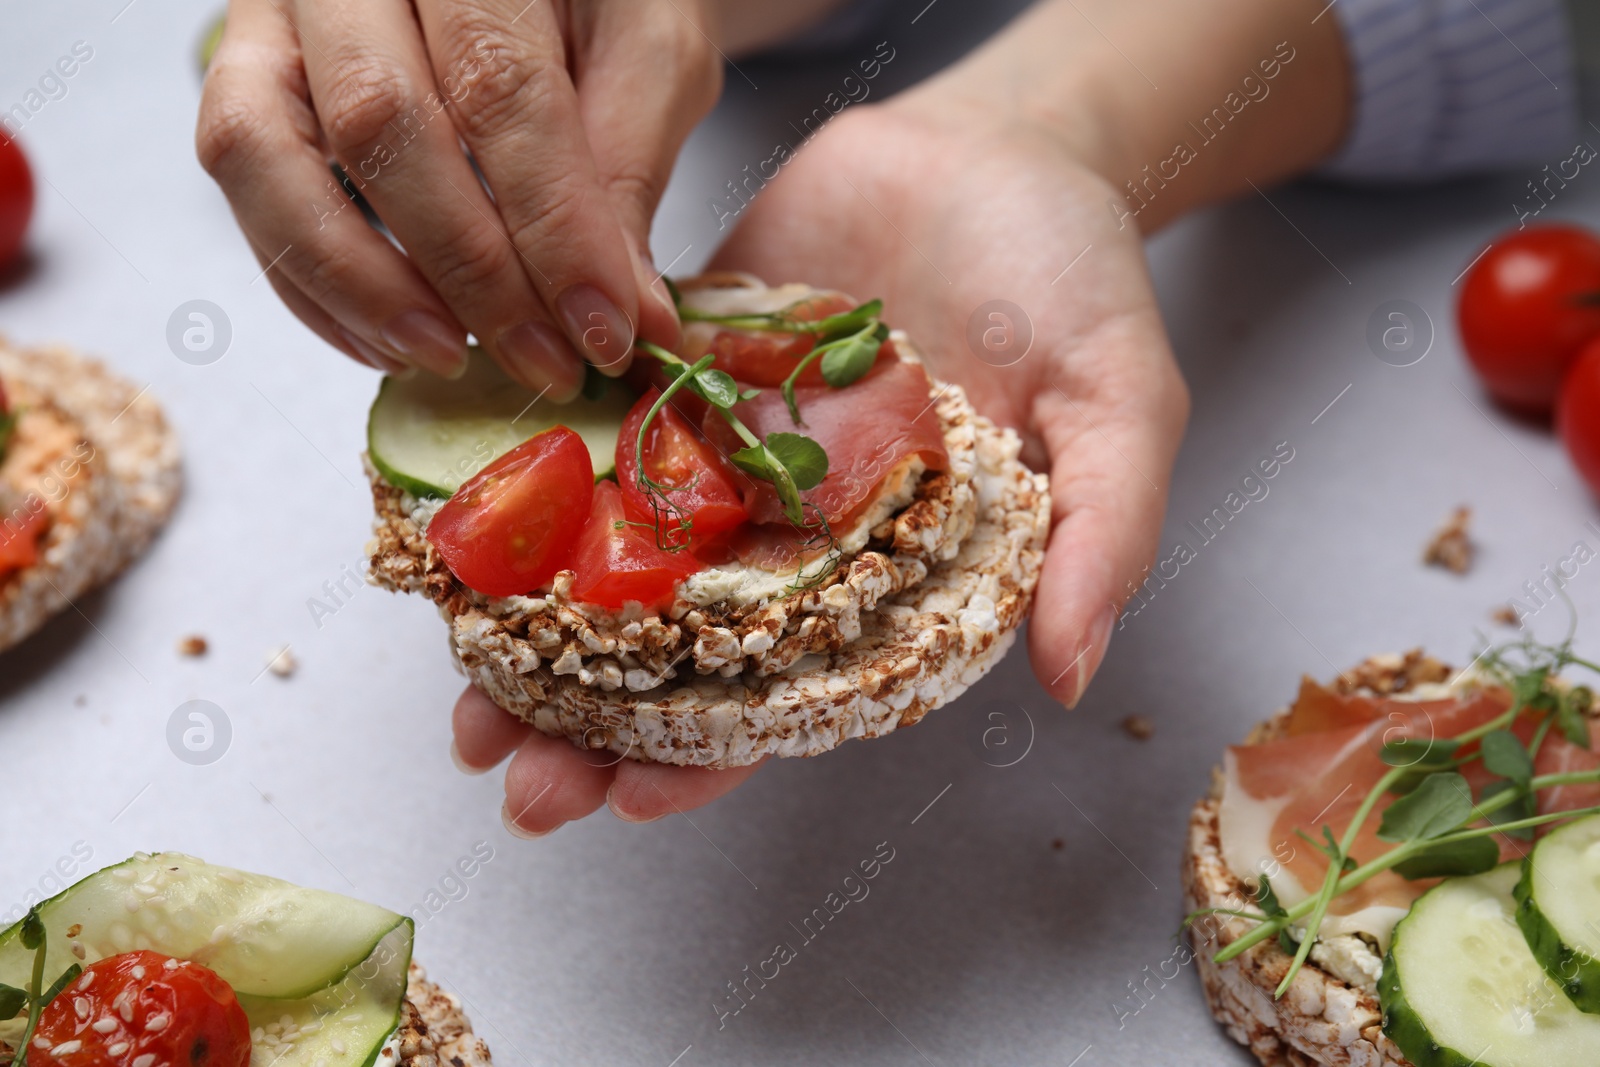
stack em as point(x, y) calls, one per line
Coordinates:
point(281, 661)
point(75, 929)
point(193, 645)
point(1139, 727)
point(1506, 615)
point(1451, 548)
point(1058, 844)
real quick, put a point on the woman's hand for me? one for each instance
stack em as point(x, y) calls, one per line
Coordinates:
point(939, 219)
point(573, 111)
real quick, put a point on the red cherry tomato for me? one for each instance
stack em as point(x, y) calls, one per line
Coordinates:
point(20, 531)
point(511, 526)
point(675, 454)
point(16, 198)
point(762, 357)
point(145, 1008)
point(1578, 414)
point(615, 562)
point(1527, 307)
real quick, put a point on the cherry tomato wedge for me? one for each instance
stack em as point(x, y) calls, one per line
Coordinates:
point(1527, 307)
point(143, 1007)
point(20, 531)
point(16, 198)
point(616, 561)
point(676, 454)
point(762, 357)
point(1578, 414)
point(511, 526)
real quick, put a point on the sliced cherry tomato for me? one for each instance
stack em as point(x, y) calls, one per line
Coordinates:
point(762, 357)
point(511, 526)
point(16, 198)
point(676, 454)
point(20, 532)
point(143, 1007)
point(1527, 307)
point(616, 561)
point(1578, 414)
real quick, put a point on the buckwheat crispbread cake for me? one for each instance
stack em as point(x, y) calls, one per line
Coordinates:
point(434, 1030)
point(921, 608)
point(99, 453)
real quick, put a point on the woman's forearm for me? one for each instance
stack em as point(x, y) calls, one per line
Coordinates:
point(1176, 103)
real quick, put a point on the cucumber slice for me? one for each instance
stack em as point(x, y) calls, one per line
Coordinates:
point(427, 436)
point(264, 937)
point(1558, 908)
point(344, 1025)
point(1460, 987)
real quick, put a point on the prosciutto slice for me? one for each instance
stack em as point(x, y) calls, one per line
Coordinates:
point(1322, 769)
point(867, 428)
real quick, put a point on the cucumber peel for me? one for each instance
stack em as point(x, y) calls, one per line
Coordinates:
point(1460, 987)
point(265, 937)
point(1558, 909)
point(427, 435)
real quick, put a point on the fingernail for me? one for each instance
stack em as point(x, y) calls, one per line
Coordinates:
point(542, 359)
point(527, 835)
point(599, 329)
point(427, 341)
point(462, 765)
point(379, 359)
point(1092, 653)
point(611, 803)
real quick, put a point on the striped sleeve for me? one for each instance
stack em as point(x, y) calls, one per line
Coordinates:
point(1445, 87)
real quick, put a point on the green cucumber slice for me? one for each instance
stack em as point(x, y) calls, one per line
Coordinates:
point(1558, 908)
point(1460, 987)
point(427, 436)
point(264, 937)
point(344, 1025)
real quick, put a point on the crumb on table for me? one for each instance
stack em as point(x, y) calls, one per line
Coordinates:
point(1506, 615)
point(1451, 547)
point(1139, 727)
point(281, 661)
point(193, 645)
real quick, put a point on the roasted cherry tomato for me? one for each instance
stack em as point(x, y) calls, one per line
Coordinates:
point(762, 357)
point(616, 561)
point(1578, 414)
point(16, 198)
point(1527, 307)
point(147, 1009)
point(20, 532)
point(511, 526)
point(675, 454)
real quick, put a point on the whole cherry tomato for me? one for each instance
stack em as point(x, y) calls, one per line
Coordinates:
point(1578, 414)
point(16, 198)
point(1526, 308)
point(700, 485)
point(144, 1008)
point(512, 526)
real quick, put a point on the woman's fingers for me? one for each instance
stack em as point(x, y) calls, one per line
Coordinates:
point(649, 76)
point(550, 781)
point(520, 120)
point(484, 732)
point(643, 792)
point(389, 125)
point(1112, 442)
point(258, 138)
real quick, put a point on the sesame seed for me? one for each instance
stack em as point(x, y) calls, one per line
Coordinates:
point(157, 1023)
point(119, 1049)
point(145, 1060)
point(81, 1006)
point(105, 1025)
point(144, 889)
point(138, 971)
point(125, 1009)
point(42, 1042)
point(66, 1048)
point(338, 1046)
point(87, 980)
point(77, 950)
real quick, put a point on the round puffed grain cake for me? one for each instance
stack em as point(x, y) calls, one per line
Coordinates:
point(434, 1030)
point(98, 451)
point(903, 627)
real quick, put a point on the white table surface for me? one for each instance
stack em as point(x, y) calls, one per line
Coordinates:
point(980, 943)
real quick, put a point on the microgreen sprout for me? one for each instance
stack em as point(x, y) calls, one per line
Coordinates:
point(14, 1001)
